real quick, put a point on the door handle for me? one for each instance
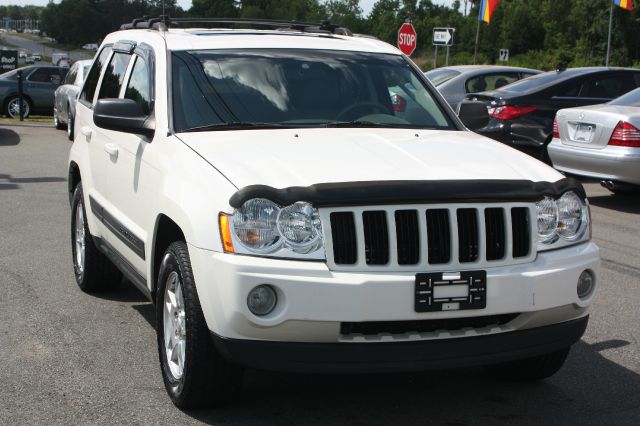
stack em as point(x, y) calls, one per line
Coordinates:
point(86, 131)
point(111, 149)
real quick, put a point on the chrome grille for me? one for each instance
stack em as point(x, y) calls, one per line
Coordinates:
point(428, 237)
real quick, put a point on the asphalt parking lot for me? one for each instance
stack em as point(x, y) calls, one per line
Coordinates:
point(70, 358)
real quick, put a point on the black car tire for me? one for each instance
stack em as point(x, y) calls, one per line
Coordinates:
point(206, 378)
point(12, 99)
point(530, 369)
point(95, 272)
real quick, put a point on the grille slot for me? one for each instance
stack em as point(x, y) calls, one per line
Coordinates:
point(438, 236)
point(408, 237)
point(432, 237)
point(520, 231)
point(495, 231)
point(423, 326)
point(468, 238)
point(343, 234)
point(376, 237)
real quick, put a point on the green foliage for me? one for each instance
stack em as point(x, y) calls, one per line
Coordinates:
point(543, 34)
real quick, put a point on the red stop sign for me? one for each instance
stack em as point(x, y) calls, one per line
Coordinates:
point(407, 39)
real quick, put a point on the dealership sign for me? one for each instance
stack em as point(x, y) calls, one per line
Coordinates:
point(8, 60)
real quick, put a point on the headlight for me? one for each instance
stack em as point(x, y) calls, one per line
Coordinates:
point(254, 225)
point(300, 226)
point(562, 222)
point(261, 226)
point(572, 216)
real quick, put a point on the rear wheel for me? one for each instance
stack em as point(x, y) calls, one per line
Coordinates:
point(12, 107)
point(194, 373)
point(94, 272)
point(530, 369)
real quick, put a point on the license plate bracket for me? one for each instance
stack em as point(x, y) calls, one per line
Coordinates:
point(584, 132)
point(450, 291)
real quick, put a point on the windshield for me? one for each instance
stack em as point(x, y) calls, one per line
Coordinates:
point(630, 99)
point(441, 75)
point(299, 88)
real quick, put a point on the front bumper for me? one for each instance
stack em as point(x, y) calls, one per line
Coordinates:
point(615, 163)
point(404, 356)
point(313, 302)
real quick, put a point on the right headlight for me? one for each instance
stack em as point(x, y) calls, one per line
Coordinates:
point(562, 222)
point(262, 227)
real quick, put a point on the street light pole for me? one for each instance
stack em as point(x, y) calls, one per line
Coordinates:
point(609, 38)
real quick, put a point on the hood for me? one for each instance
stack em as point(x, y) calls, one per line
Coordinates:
point(303, 157)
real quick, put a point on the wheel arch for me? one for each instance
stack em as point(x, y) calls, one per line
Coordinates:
point(74, 178)
point(166, 232)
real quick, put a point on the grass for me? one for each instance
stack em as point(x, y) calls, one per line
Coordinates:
point(30, 119)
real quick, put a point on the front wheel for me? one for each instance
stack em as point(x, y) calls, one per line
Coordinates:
point(94, 272)
point(530, 369)
point(70, 124)
point(12, 107)
point(194, 373)
point(56, 121)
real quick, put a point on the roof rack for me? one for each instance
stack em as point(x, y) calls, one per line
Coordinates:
point(164, 21)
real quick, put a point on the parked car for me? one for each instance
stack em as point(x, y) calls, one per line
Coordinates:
point(455, 82)
point(39, 85)
point(522, 113)
point(29, 60)
point(64, 107)
point(600, 142)
point(90, 46)
point(260, 187)
point(37, 57)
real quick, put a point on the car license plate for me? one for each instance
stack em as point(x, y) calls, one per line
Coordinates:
point(450, 291)
point(584, 133)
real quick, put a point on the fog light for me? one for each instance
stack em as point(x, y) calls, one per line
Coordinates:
point(262, 300)
point(586, 284)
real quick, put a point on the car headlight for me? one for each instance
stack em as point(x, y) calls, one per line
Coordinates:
point(562, 222)
point(254, 225)
point(262, 227)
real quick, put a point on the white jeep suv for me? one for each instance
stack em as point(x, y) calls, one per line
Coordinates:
point(301, 198)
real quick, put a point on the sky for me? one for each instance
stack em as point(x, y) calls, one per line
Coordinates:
point(366, 5)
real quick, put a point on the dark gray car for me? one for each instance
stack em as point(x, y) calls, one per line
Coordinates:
point(39, 85)
point(456, 81)
point(64, 108)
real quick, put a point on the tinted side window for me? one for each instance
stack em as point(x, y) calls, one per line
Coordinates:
point(114, 75)
point(608, 87)
point(43, 75)
point(139, 86)
point(92, 79)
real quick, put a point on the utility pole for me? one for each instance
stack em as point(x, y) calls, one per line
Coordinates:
point(609, 38)
point(475, 50)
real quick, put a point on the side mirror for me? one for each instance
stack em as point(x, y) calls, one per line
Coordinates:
point(474, 115)
point(123, 115)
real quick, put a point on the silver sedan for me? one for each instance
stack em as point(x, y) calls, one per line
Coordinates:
point(64, 107)
point(601, 142)
point(455, 82)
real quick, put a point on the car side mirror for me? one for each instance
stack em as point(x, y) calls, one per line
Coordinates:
point(123, 115)
point(474, 115)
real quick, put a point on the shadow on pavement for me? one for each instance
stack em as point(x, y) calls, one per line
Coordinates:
point(9, 182)
point(590, 389)
point(628, 203)
point(9, 138)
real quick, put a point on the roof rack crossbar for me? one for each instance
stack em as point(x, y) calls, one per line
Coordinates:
point(164, 21)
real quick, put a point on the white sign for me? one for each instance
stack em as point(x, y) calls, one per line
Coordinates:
point(504, 55)
point(443, 36)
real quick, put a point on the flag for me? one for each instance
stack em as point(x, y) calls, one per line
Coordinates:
point(625, 4)
point(488, 6)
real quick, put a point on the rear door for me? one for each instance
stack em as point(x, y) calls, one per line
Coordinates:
point(41, 85)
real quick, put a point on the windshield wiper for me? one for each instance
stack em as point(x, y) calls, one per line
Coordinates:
point(236, 125)
point(356, 123)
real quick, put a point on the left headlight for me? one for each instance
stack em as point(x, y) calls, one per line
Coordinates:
point(261, 227)
point(562, 222)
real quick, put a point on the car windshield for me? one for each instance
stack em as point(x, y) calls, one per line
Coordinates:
point(630, 99)
point(441, 75)
point(299, 88)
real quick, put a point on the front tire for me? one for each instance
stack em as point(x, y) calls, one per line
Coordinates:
point(11, 107)
point(94, 272)
point(70, 124)
point(530, 369)
point(194, 373)
point(56, 121)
